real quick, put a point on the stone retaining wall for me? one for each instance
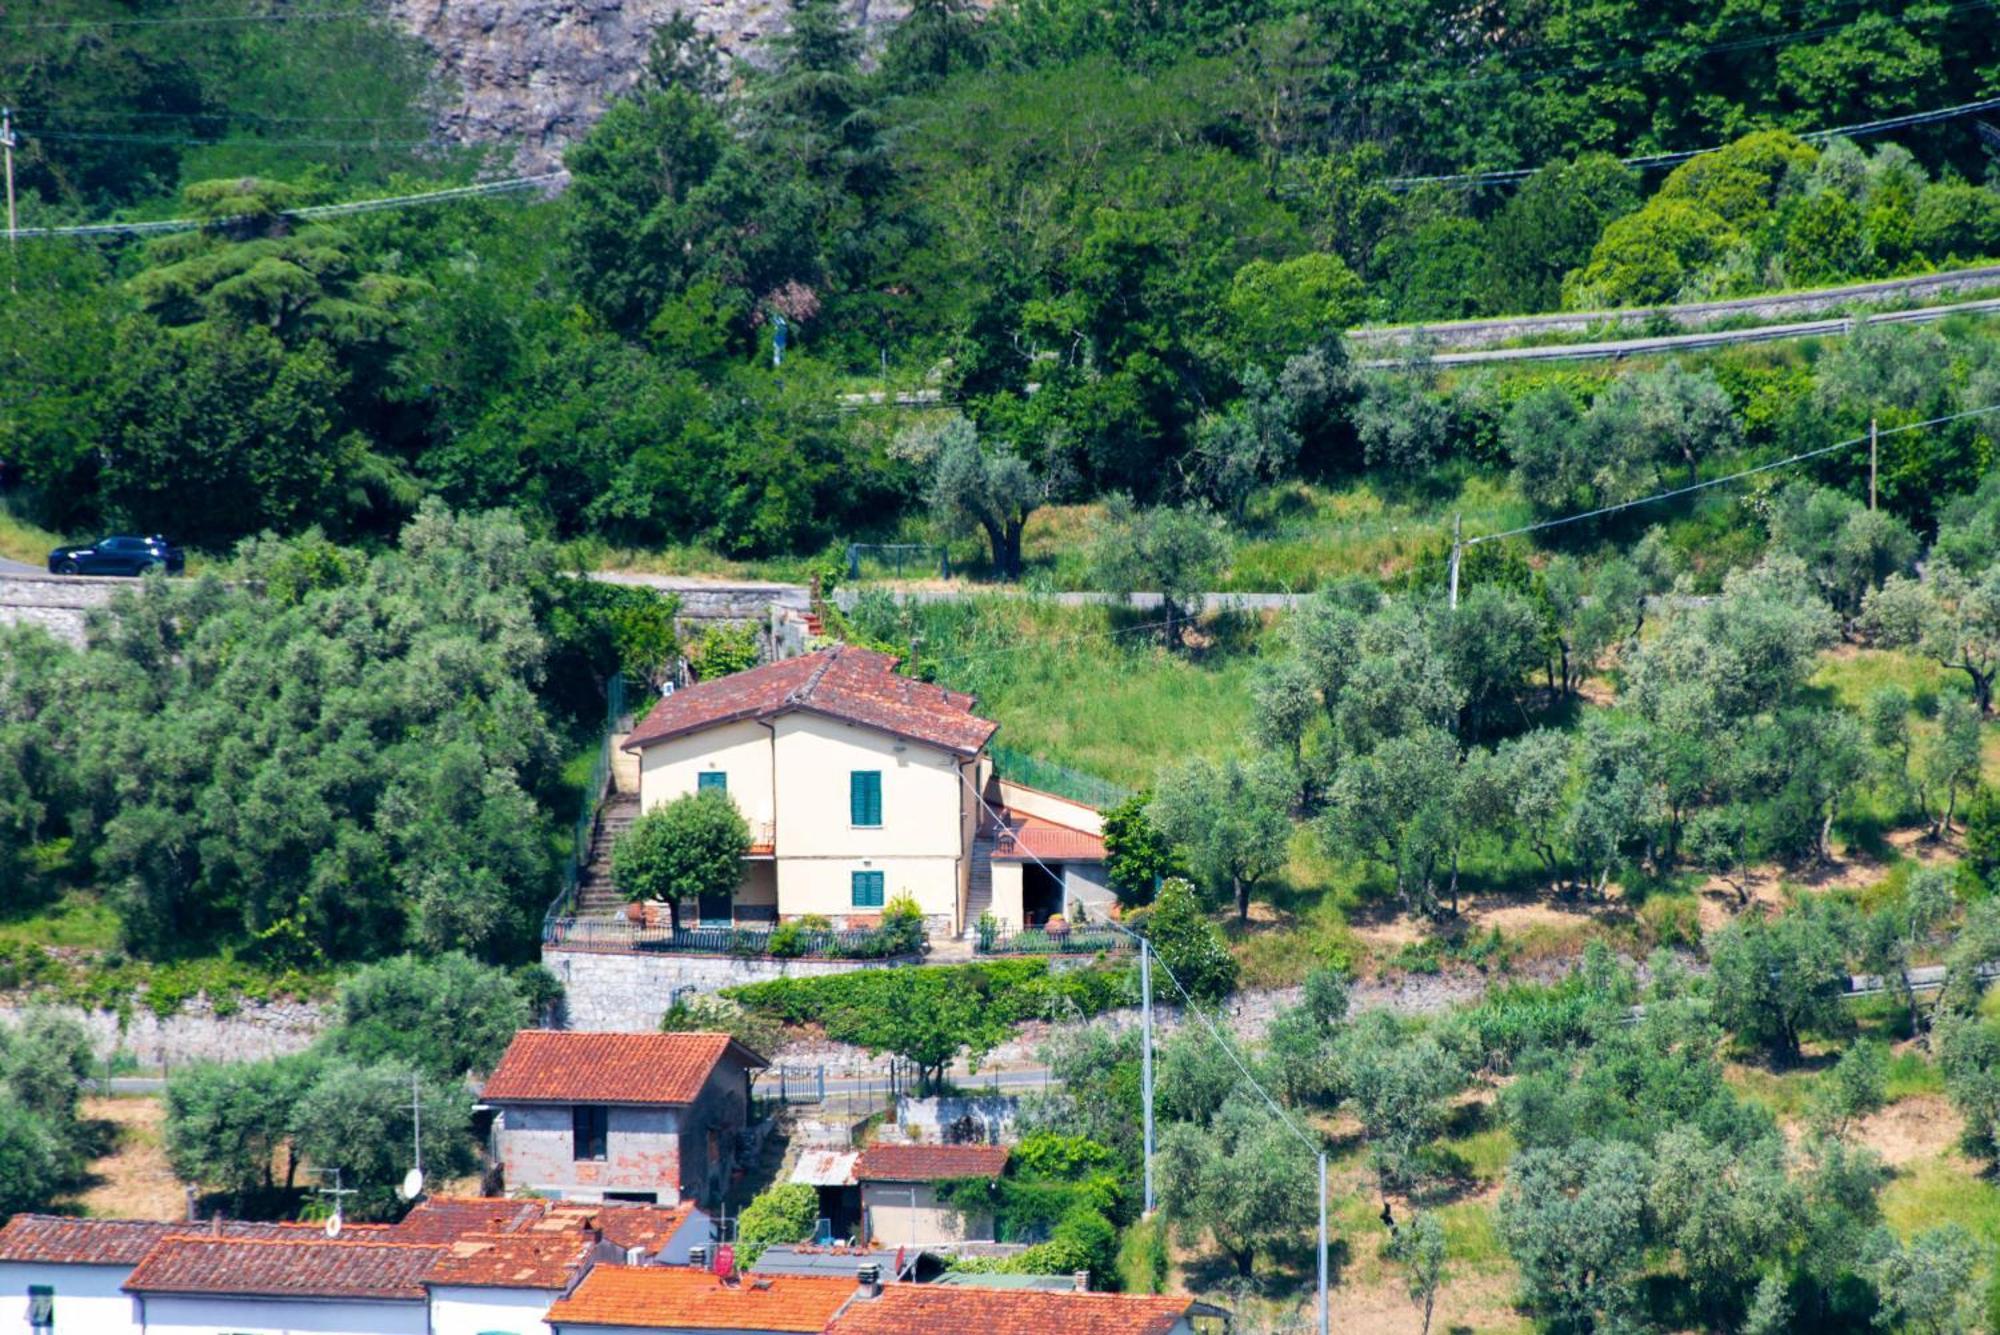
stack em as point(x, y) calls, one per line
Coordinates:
point(195, 1033)
point(57, 603)
point(629, 992)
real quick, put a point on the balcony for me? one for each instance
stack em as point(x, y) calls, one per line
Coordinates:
point(763, 838)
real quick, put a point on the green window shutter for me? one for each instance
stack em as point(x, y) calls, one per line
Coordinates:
point(868, 889)
point(864, 797)
point(711, 779)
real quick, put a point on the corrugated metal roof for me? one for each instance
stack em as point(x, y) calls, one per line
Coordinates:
point(826, 1168)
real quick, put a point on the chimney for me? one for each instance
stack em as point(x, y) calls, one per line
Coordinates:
point(698, 1258)
point(1082, 1278)
point(193, 1208)
point(870, 1277)
point(215, 1224)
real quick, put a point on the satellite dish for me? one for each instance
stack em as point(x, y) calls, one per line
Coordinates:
point(333, 1224)
point(413, 1184)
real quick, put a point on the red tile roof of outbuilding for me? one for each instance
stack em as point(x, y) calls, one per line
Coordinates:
point(929, 1163)
point(1031, 837)
point(674, 1298)
point(930, 1309)
point(562, 1066)
point(843, 682)
point(289, 1268)
point(443, 1218)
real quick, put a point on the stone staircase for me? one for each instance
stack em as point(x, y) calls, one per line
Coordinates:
point(979, 895)
point(596, 896)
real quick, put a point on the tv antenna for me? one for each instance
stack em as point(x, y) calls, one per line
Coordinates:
point(413, 1181)
point(338, 1191)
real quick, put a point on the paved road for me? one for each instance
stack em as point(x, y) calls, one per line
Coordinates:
point(1632, 347)
point(8, 567)
point(1689, 314)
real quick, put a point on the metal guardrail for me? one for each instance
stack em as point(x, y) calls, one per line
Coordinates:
point(593, 790)
point(622, 934)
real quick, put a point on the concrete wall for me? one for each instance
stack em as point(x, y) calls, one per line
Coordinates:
point(612, 991)
point(1085, 883)
point(1061, 810)
point(210, 1315)
point(462, 1310)
point(89, 1300)
point(740, 751)
point(891, 1220)
point(642, 1153)
point(925, 1119)
point(1007, 894)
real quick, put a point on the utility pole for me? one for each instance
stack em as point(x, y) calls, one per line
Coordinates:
point(1871, 462)
point(7, 148)
point(1457, 547)
point(1146, 1057)
point(1324, 1329)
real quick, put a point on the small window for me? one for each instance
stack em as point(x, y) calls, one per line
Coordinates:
point(711, 781)
point(864, 797)
point(590, 1127)
point(41, 1307)
point(868, 889)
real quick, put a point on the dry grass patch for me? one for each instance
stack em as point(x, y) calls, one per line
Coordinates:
point(134, 1181)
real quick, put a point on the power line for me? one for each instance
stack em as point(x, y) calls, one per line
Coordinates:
point(310, 212)
point(1682, 155)
point(1732, 477)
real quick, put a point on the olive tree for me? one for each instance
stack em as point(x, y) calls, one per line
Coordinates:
point(1177, 553)
point(1947, 616)
point(993, 490)
point(1231, 821)
point(1574, 1221)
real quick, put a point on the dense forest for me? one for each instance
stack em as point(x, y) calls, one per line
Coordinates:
point(1124, 242)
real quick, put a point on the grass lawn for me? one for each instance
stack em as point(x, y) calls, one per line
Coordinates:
point(1943, 1190)
point(76, 919)
point(23, 541)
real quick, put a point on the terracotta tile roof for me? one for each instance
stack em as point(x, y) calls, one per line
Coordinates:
point(60, 1241)
point(560, 1066)
point(444, 1218)
point(929, 1163)
point(286, 1268)
point(513, 1260)
point(646, 1227)
point(929, 1309)
point(843, 682)
point(1028, 836)
point(676, 1298)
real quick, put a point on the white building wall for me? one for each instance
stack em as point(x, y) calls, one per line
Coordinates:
point(212, 1315)
point(464, 1310)
point(742, 751)
point(90, 1299)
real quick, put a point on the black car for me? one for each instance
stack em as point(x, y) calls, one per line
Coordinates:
point(118, 556)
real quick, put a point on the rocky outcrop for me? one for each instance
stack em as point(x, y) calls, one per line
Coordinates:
point(538, 73)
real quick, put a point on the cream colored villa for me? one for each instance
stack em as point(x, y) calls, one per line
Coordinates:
point(860, 785)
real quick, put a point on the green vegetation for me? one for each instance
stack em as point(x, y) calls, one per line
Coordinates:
point(683, 851)
point(406, 1026)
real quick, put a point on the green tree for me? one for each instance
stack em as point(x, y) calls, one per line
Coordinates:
point(1400, 1085)
point(34, 1162)
point(1776, 979)
point(1946, 616)
point(1418, 1245)
point(1178, 554)
point(449, 1015)
point(1230, 821)
point(927, 1020)
point(993, 490)
point(1856, 1086)
point(682, 850)
point(1724, 1208)
point(1282, 308)
point(358, 1119)
point(1137, 856)
point(1188, 944)
point(1548, 226)
point(1243, 1182)
point(226, 1122)
point(1927, 1284)
point(781, 1213)
point(1574, 1221)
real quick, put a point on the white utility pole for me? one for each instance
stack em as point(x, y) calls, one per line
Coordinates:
point(1146, 1057)
point(7, 149)
point(1323, 1327)
point(1872, 434)
point(1456, 548)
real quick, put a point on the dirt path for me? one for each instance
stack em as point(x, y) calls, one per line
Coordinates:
point(134, 1180)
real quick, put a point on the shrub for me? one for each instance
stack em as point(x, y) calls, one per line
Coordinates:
point(785, 1212)
point(1189, 944)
